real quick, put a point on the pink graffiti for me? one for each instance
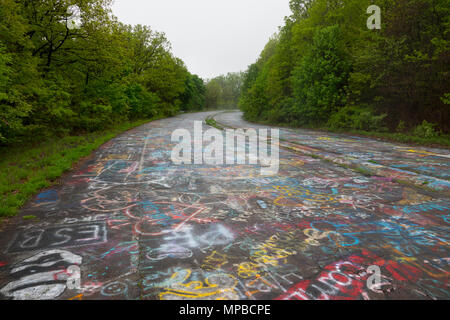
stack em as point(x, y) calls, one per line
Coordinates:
point(178, 213)
point(131, 168)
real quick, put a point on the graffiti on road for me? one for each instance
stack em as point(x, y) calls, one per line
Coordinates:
point(128, 224)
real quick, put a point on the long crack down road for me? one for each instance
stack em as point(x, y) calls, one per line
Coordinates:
point(128, 223)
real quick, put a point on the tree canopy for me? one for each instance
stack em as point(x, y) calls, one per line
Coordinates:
point(224, 91)
point(69, 66)
point(326, 68)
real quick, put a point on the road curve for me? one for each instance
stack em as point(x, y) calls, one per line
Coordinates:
point(130, 224)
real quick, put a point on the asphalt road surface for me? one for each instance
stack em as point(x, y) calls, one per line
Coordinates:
point(130, 224)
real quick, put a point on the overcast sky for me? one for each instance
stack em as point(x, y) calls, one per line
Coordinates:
point(212, 37)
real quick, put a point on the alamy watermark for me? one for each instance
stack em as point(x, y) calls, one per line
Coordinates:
point(239, 147)
point(74, 278)
point(374, 21)
point(374, 281)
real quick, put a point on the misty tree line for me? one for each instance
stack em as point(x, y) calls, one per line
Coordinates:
point(224, 91)
point(69, 66)
point(325, 68)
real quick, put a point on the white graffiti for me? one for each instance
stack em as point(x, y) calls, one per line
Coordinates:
point(44, 276)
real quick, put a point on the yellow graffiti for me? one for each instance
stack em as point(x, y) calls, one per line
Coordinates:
point(271, 253)
point(214, 261)
point(412, 197)
point(294, 163)
point(299, 193)
point(421, 153)
point(115, 157)
point(248, 270)
point(314, 236)
point(334, 139)
point(218, 287)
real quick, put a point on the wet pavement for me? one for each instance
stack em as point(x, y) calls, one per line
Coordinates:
point(130, 224)
point(420, 166)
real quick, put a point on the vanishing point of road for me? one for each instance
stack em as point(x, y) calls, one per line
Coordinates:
point(128, 223)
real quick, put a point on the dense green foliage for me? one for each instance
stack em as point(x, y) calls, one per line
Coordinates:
point(68, 66)
point(326, 69)
point(224, 91)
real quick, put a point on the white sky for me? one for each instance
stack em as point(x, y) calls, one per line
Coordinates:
point(212, 37)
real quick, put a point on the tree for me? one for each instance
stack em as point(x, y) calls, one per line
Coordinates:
point(320, 80)
point(325, 60)
point(213, 94)
point(19, 80)
point(193, 97)
point(68, 66)
point(224, 91)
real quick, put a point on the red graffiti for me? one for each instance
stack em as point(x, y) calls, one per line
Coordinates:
point(347, 279)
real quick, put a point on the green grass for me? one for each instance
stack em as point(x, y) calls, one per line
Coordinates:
point(363, 171)
point(26, 169)
point(440, 141)
point(213, 123)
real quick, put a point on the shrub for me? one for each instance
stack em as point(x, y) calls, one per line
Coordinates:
point(401, 128)
point(426, 130)
point(357, 118)
point(143, 104)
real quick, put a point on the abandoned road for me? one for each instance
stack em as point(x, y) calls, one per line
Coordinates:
point(345, 218)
